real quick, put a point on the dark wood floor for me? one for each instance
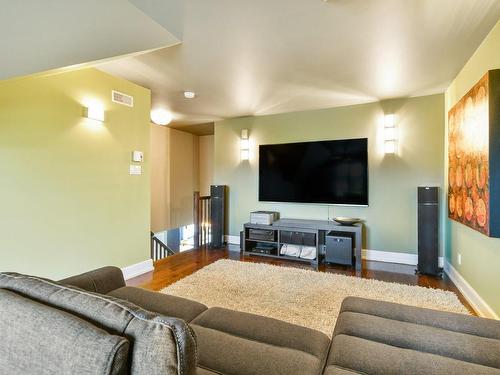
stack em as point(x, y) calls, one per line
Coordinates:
point(173, 268)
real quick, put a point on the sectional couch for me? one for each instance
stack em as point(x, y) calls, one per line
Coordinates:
point(94, 323)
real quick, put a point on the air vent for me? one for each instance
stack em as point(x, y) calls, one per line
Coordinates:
point(121, 98)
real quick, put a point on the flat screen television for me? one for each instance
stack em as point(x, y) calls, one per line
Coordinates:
point(329, 172)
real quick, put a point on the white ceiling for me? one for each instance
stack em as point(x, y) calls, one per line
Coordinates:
point(37, 35)
point(271, 56)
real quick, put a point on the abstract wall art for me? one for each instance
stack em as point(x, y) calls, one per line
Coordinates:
point(474, 157)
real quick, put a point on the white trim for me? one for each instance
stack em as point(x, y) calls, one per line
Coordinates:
point(390, 257)
point(233, 240)
point(470, 294)
point(375, 255)
point(393, 257)
point(137, 269)
point(475, 300)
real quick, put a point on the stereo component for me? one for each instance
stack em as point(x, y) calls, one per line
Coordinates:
point(263, 217)
point(339, 247)
point(263, 249)
point(261, 234)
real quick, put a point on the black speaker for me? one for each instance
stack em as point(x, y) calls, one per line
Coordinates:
point(217, 214)
point(428, 228)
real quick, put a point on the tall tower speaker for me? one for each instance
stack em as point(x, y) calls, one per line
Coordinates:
point(217, 214)
point(428, 228)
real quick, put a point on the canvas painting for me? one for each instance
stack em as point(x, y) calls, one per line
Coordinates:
point(468, 175)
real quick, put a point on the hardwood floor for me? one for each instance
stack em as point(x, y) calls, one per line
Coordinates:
point(175, 267)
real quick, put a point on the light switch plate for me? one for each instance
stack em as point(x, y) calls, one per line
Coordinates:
point(138, 156)
point(135, 170)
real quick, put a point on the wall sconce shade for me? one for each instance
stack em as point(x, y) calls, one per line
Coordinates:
point(244, 145)
point(245, 154)
point(390, 147)
point(389, 121)
point(390, 134)
point(94, 111)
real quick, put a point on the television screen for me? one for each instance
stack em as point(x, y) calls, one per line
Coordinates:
point(331, 172)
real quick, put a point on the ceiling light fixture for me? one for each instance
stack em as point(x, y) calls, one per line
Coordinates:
point(189, 94)
point(161, 116)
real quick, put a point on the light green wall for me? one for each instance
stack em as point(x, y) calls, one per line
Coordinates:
point(480, 254)
point(391, 216)
point(67, 201)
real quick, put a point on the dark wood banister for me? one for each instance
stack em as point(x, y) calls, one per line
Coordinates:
point(159, 249)
point(201, 216)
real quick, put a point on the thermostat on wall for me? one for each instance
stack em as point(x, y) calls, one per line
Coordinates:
point(138, 156)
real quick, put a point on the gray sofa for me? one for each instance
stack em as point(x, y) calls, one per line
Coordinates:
point(94, 323)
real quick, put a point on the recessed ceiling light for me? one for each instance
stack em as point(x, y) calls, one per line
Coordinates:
point(161, 116)
point(189, 94)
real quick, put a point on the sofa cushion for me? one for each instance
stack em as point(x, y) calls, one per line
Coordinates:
point(203, 371)
point(335, 370)
point(159, 345)
point(38, 339)
point(102, 280)
point(465, 347)
point(446, 320)
point(377, 337)
point(253, 344)
point(369, 357)
point(160, 303)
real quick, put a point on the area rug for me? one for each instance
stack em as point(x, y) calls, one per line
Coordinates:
point(303, 297)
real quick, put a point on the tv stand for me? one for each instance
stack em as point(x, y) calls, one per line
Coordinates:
point(298, 232)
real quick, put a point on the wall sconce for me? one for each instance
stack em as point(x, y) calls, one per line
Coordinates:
point(244, 145)
point(94, 111)
point(390, 134)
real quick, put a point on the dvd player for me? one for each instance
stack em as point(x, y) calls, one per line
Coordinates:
point(261, 234)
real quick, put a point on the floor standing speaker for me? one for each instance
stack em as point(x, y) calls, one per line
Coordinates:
point(217, 214)
point(428, 228)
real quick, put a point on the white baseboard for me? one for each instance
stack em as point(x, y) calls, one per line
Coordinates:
point(375, 255)
point(137, 269)
point(470, 294)
point(390, 257)
point(393, 257)
point(475, 300)
point(233, 240)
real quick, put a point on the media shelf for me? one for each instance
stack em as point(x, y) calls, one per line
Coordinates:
point(267, 240)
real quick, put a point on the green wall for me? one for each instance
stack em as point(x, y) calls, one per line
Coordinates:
point(480, 254)
point(67, 201)
point(391, 215)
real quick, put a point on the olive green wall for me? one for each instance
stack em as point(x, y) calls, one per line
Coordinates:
point(391, 215)
point(67, 201)
point(480, 254)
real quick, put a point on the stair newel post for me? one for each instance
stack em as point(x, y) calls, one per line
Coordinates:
point(196, 218)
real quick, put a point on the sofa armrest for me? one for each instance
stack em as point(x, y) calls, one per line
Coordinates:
point(102, 280)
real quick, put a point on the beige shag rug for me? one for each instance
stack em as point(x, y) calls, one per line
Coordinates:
point(303, 297)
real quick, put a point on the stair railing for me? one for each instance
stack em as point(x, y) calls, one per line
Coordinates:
point(202, 222)
point(159, 249)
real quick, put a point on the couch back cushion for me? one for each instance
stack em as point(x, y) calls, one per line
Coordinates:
point(102, 280)
point(159, 345)
point(38, 339)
